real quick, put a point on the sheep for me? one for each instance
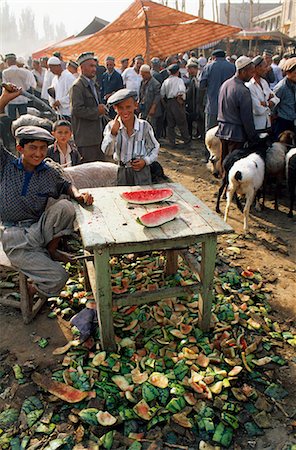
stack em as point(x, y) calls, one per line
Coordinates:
point(291, 177)
point(214, 147)
point(93, 174)
point(246, 177)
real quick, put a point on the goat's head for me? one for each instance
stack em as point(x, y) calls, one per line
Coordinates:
point(288, 138)
point(214, 165)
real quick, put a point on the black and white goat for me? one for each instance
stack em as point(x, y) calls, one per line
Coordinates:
point(291, 177)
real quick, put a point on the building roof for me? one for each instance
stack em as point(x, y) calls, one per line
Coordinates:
point(150, 29)
point(263, 35)
point(96, 25)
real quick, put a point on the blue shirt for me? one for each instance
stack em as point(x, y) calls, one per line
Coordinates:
point(286, 91)
point(23, 194)
point(212, 77)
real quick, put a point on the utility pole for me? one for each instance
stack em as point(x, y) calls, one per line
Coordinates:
point(183, 5)
point(201, 8)
point(176, 5)
point(251, 13)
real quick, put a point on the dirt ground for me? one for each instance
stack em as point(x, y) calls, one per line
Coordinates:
point(270, 247)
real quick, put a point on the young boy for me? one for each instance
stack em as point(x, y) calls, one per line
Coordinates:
point(30, 232)
point(130, 140)
point(63, 151)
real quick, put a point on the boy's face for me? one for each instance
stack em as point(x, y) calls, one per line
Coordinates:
point(33, 153)
point(62, 134)
point(126, 109)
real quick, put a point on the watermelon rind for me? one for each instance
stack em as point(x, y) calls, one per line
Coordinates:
point(147, 196)
point(164, 215)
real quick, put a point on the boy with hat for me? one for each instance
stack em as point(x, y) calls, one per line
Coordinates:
point(130, 140)
point(30, 231)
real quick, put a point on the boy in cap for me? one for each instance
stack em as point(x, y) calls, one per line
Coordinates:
point(30, 231)
point(130, 140)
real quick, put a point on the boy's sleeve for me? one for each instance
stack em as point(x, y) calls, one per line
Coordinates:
point(151, 145)
point(109, 141)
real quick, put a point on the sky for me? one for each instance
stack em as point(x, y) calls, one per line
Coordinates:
point(76, 14)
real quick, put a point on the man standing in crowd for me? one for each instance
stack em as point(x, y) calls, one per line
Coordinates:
point(263, 99)
point(212, 77)
point(192, 95)
point(278, 73)
point(269, 76)
point(285, 90)
point(22, 78)
point(235, 115)
point(124, 65)
point(72, 66)
point(173, 92)
point(87, 110)
point(149, 100)
point(155, 69)
point(111, 82)
point(131, 76)
point(62, 82)
point(38, 72)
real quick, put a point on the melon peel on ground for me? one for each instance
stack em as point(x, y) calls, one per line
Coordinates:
point(106, 419)
point(159, 380)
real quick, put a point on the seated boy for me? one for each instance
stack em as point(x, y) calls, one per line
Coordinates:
point(130, 140)
point(30, 231)
point(63, 150)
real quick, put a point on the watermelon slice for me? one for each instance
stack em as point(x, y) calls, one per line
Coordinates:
point(60, 390)
point(159, 216)
point(147, 196)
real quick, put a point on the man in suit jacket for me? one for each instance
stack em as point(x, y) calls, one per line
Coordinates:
point(87, 110)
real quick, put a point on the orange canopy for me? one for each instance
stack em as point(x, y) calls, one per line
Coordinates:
point(149, 29)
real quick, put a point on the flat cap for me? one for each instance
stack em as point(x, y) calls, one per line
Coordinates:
point(57, 54)
point(110, 58)
point(86, 56)
point(242, 62)
point(124, 59)
point(36, 133)
point(10, 55)
point(54, 61)
point(290, 65)
point(257, 60)
point(192, 62)
point(219, 53)
point(173, 68)
point(73, 64)
point(155, 60)
point(267, 52)
point(120, 96)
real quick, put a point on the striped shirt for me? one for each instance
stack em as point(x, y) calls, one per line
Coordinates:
point(140, 145)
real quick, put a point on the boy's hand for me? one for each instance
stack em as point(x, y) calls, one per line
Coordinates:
point(115, 126)
point(138, 164)
point(85, 198)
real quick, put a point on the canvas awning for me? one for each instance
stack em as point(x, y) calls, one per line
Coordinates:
point(263, 35)
point(149, 29)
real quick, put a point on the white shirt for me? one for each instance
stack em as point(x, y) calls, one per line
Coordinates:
point(172, 87)
point(39, 77)
point(132, 79)
point(260, 94)
point(48, 77)
point(65, 159)
point(62, 85)
point(278, 75)
point(21, 77)
point(139, 145)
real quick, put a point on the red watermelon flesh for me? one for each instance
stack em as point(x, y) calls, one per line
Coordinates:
point(147, 196)
point(159, 216)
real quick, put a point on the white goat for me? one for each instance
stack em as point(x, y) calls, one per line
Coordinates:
point(214, 147)
point(246, 176)
point(93, 174)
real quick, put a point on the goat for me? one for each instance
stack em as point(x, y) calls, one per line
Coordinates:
point(291, 177)
point(246, 177)
point(214, 147)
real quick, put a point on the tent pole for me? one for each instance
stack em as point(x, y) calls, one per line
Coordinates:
point(147, 37)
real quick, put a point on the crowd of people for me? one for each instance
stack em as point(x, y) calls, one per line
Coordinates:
point(123, 112)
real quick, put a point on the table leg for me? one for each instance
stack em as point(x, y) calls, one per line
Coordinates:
point(103, 296)
point(172, 262)
point(208, 259)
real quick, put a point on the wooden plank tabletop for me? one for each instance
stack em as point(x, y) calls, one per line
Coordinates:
point(111, 221)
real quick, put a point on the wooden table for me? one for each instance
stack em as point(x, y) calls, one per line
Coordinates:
point(109, 228)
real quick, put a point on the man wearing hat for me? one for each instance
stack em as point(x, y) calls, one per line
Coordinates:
point(124, 65)
point(173, 93)
point(111, 82)
point(20, 77)
point(211, 79)
point(72, 66)
point(39, 73)
point(61, 83)
point(149, 100)
point(235, 112)
point(130, 140)
point(263, 99)
point(269, 75)
point(285, 90)
point(131, 76)
point(278, 73)
point(87, 110)
point(31, 231)
point(192, 96)
point(155, 69)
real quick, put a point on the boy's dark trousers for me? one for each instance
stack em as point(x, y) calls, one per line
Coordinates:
point(127, 176)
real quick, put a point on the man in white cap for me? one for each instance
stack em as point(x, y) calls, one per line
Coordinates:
point(87, 110)
point(22, 78)
point(235, 114)
point(62, 82)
